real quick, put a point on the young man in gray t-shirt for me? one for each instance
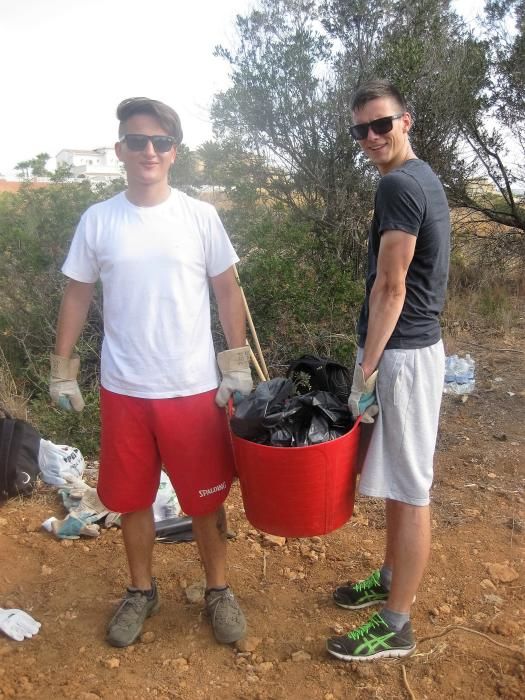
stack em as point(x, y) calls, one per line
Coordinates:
point(398, 377)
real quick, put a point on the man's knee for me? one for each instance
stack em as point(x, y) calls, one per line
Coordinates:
point(396, 503)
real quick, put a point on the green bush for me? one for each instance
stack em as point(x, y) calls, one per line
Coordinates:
point(474, 299)
point(301, 296)
point(36, 228)
point(80, 430)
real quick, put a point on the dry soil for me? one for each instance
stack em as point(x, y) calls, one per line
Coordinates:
point(469, 616)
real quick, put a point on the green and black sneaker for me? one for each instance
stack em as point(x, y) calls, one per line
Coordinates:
point(354, 596)
point(373, 640)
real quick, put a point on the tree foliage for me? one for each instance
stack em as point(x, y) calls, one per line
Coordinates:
point(300, 302)
point(34, 167)
point(495, 133)
point(297, 63)
point(185, 173)
point(294, 70)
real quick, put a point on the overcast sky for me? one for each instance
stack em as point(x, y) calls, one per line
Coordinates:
point(67, 63)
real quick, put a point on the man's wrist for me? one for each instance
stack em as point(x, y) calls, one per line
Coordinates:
point(234, 359)
point(367, 370)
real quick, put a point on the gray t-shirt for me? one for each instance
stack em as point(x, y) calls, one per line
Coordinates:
point(411, 198)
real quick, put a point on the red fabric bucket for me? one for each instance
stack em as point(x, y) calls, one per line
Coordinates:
point(298, 491)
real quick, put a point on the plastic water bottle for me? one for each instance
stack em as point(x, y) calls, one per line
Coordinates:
point(471, 373)
point(462, 371)
point(472, 366)
point(450, 368)
point(450, 375)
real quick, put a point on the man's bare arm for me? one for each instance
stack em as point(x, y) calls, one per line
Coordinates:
point(387, 295)
point(231, 308)
point(72, 315)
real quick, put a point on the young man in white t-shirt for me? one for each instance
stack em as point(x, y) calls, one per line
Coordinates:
point(156, 251)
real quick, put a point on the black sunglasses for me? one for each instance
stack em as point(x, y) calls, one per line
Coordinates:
point(378, 126)
point(138, 142)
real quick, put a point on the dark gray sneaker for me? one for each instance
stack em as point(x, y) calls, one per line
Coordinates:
point(227, 618)
point(373, 640)
point(361, 594)
point(126, 624)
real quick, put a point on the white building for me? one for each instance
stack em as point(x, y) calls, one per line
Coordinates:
point(99, 165)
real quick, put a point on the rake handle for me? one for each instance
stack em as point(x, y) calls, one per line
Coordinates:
point(252, 329)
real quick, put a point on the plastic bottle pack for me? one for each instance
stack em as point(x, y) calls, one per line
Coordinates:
point(459, 375)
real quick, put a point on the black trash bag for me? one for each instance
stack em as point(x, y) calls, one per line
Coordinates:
point(272, 415)
point(322, 374)
point(324, 416)
point(260, 412)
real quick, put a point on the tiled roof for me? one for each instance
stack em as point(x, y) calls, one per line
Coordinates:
point(15, 185)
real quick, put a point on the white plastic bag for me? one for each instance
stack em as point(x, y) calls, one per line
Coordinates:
point(166, 502)
point(57, 461)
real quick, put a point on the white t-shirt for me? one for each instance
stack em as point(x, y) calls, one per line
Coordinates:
point(154, 264)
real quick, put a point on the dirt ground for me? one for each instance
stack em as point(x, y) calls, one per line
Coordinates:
point(469, 617)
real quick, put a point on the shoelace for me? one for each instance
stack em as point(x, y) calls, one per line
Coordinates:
point(369, 582)
point(219, 597)
point(131, 606)
point(374, 621)
point(218, 603)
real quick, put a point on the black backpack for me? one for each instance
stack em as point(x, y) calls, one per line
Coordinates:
point(323, 374)
point(19, 448)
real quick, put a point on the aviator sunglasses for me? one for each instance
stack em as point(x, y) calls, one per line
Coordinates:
point(138, 142)
point(378, 126)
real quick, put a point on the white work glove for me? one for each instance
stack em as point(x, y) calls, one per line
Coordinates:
point(63, 385)
point(362, 400)
point(236, 374)
point(17, 624)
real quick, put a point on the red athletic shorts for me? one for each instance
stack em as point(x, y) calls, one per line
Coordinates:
point(188, 435)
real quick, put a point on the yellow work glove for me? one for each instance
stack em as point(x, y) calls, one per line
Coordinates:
point(63, 385)
point(236, 374)
point(362, 400)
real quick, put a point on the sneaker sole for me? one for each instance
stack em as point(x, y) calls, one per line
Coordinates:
point(368, 604)
point(388, 653)
point(120, 645)
point(232, 638)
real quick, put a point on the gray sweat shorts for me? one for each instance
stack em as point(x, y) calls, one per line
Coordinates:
point(399, 461)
